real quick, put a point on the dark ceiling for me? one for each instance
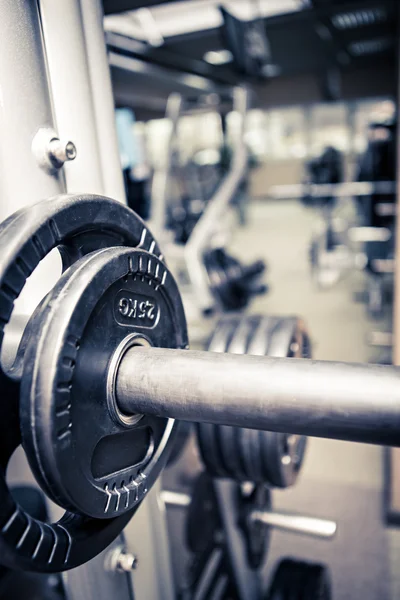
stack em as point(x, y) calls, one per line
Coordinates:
point(116, 6)
point(326, 40)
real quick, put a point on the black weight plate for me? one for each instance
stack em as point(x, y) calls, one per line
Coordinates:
point(245, 450)
point(282, 337)
point(232, 334)
point(270, 457)
point(228, 443)
point(202, 438)
point(256, 452)
point(240, 458)
point(84, 458)
point(256, 534)
point(239, 446)
point(317, 583)
point(235, 341)
point(226, 436)
point(210, 449)
point(258, 345)
point(298, 580)
point(284, 453)
point(306, 345)
point(271, 443)
point(221, 338)
point(76, 225)
point(207, 434)
point(242, 335)
point(202, 519)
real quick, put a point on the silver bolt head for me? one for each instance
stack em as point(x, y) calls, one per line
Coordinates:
point(118, 560)
point(126, 562)
point(61, 152)
point(70, 150)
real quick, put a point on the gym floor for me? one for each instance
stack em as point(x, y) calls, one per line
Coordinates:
point(339, 480)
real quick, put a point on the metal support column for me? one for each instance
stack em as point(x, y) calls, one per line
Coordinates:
point(25, 108)
point(393, 471)
point(216, 209)
point(103, 101)
point(71, 91)
point(161, 186)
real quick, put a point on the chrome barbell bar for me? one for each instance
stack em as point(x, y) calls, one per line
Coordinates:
point(348, 401)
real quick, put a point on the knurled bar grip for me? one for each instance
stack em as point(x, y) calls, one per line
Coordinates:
point(347, 401)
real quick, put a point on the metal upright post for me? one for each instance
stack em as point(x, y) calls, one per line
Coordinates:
point(396, 337)
point(393, 471)
point(103, 101)
point(216, 208)
point(25, 109)
point(71, 91)
point(161, 186)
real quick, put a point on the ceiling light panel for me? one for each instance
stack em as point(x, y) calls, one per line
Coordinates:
point(179, 18)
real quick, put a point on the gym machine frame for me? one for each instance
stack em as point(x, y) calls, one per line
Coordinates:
point(217, 206)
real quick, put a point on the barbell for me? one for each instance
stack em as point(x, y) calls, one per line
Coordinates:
point(103, 369)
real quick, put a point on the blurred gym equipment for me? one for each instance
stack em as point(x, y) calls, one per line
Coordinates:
point(217, 281)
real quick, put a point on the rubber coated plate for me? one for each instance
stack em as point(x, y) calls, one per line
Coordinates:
point(229, 442)
point(241, 336)
point(209, 445)
point(278, 464)
point(220, 457)
point(245, 450)
point(282, 454)
point(257, 464)
point(257, 456)
point(222, 336)
point(258, 345)
point(202, 520)
point(282, 337)
point(232, 334)
point(241, 458)
point(297, 580)
point(76, 225)
point(210, 451)
point(84, 458)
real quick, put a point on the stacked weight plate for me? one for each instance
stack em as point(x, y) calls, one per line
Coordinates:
point(298, 580)
point(248, 454)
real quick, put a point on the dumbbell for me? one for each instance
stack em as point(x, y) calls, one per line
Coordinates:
point(103, 368)
point(232, 283)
